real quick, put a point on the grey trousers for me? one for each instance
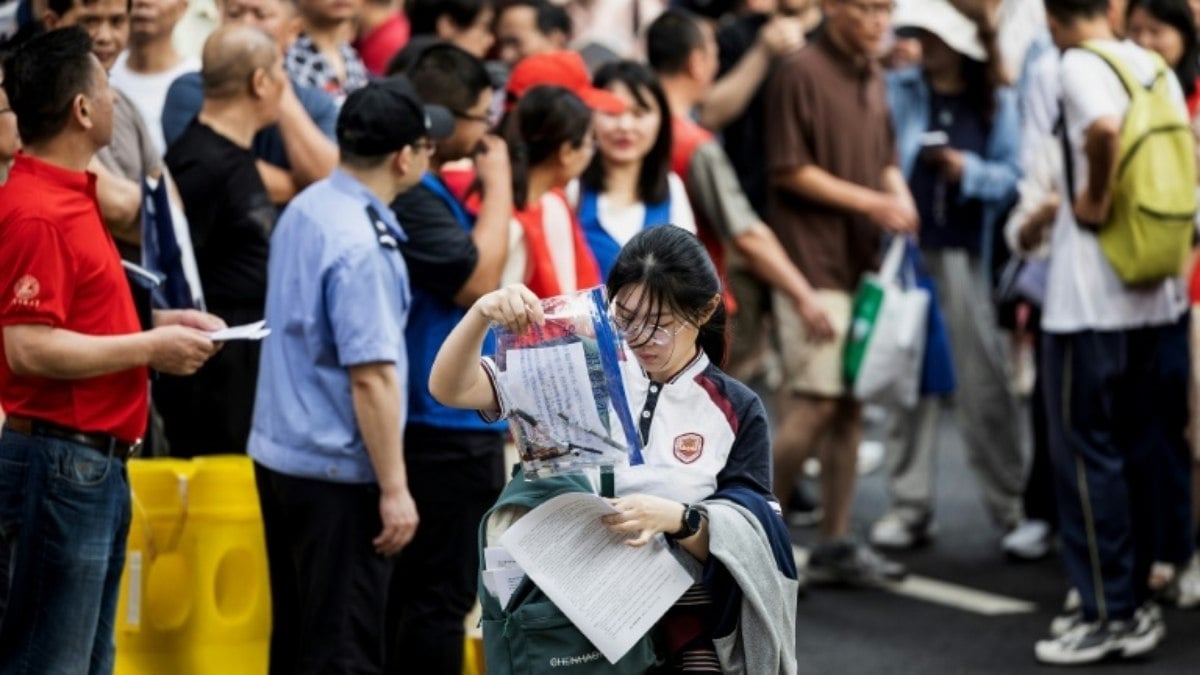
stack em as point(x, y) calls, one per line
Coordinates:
point(987, 411)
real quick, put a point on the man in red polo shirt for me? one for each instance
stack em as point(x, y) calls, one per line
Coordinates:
point(73, 377)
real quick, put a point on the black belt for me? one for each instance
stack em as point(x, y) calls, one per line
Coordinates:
point(109, 445)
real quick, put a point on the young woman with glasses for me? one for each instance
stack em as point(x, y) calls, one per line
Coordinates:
point(704, 434)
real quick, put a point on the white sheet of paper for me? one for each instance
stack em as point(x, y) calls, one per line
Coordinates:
point(498, 557)
point(248, 331)
point(503, 582)
point(550, 381)
point(612, 592)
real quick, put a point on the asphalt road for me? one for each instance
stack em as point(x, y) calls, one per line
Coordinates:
point(847, 631)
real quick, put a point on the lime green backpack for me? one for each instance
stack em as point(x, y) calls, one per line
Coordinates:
point(1148, 234)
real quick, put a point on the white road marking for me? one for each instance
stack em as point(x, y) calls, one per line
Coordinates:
point(947, 594)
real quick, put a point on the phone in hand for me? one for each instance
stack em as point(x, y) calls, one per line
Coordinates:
point(934, 139)
point(931, 143)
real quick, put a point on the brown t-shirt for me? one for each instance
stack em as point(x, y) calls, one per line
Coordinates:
point(823, 110)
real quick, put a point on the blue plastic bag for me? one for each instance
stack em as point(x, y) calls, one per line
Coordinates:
point(937, 368)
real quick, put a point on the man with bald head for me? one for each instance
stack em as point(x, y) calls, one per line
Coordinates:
point(230, 216)
point(299, 149)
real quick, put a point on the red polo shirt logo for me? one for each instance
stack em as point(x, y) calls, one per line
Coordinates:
point(26, 291)
point(689, 447)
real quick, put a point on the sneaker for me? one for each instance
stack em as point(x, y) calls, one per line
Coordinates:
point(802, 510)
point(851, 564)
point(1028, 541)
point(894, 532)
point(1187, 593)
point(870, 458)
point(1094, 642)
point(1065, 623)
point(1150, 624)
point(1148, 620)
point(1069, 617)
point(1073, 601)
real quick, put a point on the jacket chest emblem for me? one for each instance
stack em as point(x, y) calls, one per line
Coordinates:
point(688, 447)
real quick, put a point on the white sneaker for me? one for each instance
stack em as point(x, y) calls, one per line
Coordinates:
point(1028, 541)
point(1189, 585)
point(1094, 642)
point(1150, 623)
point(892, 531)
point(1073, 601)
point(1069, 617)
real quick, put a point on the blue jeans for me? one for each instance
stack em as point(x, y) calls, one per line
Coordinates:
point(64, 519)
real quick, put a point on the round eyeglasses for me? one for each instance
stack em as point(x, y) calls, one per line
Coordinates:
point(646, 334)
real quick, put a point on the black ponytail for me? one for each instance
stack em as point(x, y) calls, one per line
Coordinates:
point(544, 118)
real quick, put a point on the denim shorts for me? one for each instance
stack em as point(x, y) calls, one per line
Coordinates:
point(64, 520)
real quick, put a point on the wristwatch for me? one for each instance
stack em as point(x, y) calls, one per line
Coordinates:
point(689, 524)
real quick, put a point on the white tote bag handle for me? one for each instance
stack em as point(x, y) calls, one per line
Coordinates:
point(889, 272)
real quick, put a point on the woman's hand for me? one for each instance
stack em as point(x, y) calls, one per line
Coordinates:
point(644, 516)
point(949, 161)
point(514, 307)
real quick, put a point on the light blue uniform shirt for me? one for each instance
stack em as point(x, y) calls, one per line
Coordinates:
point(337, 296)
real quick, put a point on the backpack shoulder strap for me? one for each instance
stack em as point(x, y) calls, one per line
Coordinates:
point(1060, 126)
point(1131, 83)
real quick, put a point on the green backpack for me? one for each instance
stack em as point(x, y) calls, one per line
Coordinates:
point(531, 635)
point(1148, 234)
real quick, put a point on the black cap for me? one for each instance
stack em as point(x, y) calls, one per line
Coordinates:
point(386, 115)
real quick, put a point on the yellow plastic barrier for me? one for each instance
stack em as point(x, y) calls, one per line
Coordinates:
point(195, 597)
point(473, 663)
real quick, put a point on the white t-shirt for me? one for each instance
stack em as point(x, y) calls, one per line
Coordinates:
point(622, 222)
point(149, 92)
point(1083, 292)
point(1019, 22)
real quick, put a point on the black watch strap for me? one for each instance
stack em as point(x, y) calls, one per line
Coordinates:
point(689, 523)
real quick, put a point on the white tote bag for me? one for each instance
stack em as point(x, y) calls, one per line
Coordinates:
point(891, 368)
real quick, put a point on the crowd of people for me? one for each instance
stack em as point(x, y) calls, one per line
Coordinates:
point(381, 181)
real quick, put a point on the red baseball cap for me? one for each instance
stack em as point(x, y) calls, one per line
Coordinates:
point(563, 69)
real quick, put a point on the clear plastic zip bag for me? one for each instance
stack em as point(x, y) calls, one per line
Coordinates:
point(560, 387)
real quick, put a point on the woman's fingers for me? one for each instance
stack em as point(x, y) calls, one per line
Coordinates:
point(641, 540)
point(533, 306)
point(515, 307)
